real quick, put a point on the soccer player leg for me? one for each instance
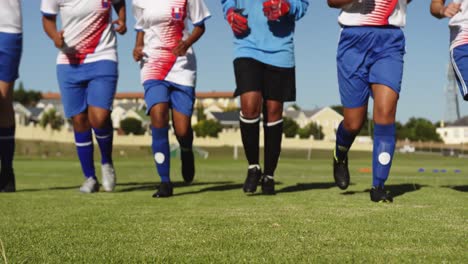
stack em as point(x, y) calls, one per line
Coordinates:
point(182, 101)
point(10, 55)
point(459, 59)
point(157, 99)
point(249, 89)
point(100, 97)
point(73, 93)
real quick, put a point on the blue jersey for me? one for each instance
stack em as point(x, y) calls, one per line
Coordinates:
point(270, 42)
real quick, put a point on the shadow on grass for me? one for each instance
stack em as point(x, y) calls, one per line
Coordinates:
point(149, 186)
point(460, 188)
point(49, 189)
point(394, 189)
point(223, 187)
point(300, 187)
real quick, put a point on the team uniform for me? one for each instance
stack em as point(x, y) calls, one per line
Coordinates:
point(11, 38)
point(264, 62)
point(87, 73)
point(166, 77)
point(459, 46)
point(370, 51)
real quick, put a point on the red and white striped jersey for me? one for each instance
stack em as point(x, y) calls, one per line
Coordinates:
point(459, 26)
point(88, 31)
point(374, 13)
point(164, 23)
point(10, 16)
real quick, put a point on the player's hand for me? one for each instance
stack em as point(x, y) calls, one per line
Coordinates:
point(181, 48)
point(237, 21)
point(59, 40)
point(274, 9)
point(121, 27)
point(450, 10)
point(138, 53)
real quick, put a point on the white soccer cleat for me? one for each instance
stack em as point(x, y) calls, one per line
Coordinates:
point(89, 186)
point(108, 177)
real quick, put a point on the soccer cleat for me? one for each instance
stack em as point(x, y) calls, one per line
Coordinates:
point(268, 185)
point(379, 195)
point(188, 165)
point(253, 178)
point(341, 173)
point(90, 186)
point(108, 177)
point(164, 190)
point(7, 182)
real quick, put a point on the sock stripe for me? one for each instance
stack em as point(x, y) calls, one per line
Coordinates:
point(249, 121)
point(103, 137)
point(270, 124)
point(83, 144)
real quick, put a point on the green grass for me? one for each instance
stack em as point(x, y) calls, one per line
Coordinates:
point(212, 221)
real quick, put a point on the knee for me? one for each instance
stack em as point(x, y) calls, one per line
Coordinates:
point(250, 112)
point(99, 121)
point(183, 132)
point(384, 114)
point(274, 114)
point(159, 119)
point(353, 127)
point(81, 122)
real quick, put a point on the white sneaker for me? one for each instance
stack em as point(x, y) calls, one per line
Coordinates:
point(89, 186)
point(108, 177)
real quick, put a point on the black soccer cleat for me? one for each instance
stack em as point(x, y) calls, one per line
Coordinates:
point(7, 182)
point(379, 195)
point(164, 190)
point(188, 165)
point(268, 185)
point(253, 178)
point(341, 173)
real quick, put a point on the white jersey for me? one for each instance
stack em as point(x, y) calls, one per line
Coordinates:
point(164, 23)
point(374, 13)
point(88, 31)
point(459, 26)
point(10, 16)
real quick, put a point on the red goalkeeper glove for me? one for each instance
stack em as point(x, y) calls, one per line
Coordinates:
point(274, 9)
point(237, 21)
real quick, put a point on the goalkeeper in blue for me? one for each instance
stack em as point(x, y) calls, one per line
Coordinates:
point(370, 63)
point(264, 69)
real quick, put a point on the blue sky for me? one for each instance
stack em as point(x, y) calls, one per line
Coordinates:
point(316, 40)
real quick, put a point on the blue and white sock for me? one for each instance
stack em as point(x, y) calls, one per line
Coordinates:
point(384, 148)
point(7, 148)
point(161, 153)
point(105, 137)
point(85, 150)
point(344, 140)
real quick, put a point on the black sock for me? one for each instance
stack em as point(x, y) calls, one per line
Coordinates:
point(186, 143)
point(250, 130)
point(273, 136)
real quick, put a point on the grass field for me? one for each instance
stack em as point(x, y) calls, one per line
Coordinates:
point(212, 221)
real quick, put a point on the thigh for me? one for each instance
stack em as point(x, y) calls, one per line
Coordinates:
point(280, 84)
point(73, 89)
point(248, 74)
point(385, 104)
point(10, 56)
point(102, 84)
point(459, 59)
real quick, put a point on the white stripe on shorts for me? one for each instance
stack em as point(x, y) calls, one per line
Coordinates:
point(458, 73)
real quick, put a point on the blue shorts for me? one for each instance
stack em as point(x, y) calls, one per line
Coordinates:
point(87, 84)
point(369, 55)
point(11, 46)
point(459, 58)
point(180, 98)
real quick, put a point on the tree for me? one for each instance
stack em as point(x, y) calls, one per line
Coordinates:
point(290, 127)
point(132, 125)
point(26, 98)
point(421, 129)
point(51, 118)
point(207, 128)
point(200, 112)
point(295, 107)
point(312, 129)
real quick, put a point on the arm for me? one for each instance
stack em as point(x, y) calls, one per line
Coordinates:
point(439, 10)
point(339, 3)
point(121, 22)
point(49, 24)
point(139, 45)
point(298, 8)
point(184, 45)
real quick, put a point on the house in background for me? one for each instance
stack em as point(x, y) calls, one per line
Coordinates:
point(326, 117)
point(456, 132)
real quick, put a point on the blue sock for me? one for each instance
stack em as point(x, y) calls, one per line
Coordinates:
point(384, 148)
point(344, 140)
point(85, 149)
point(161, 153)
point(105, 137)
point(7, 148)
